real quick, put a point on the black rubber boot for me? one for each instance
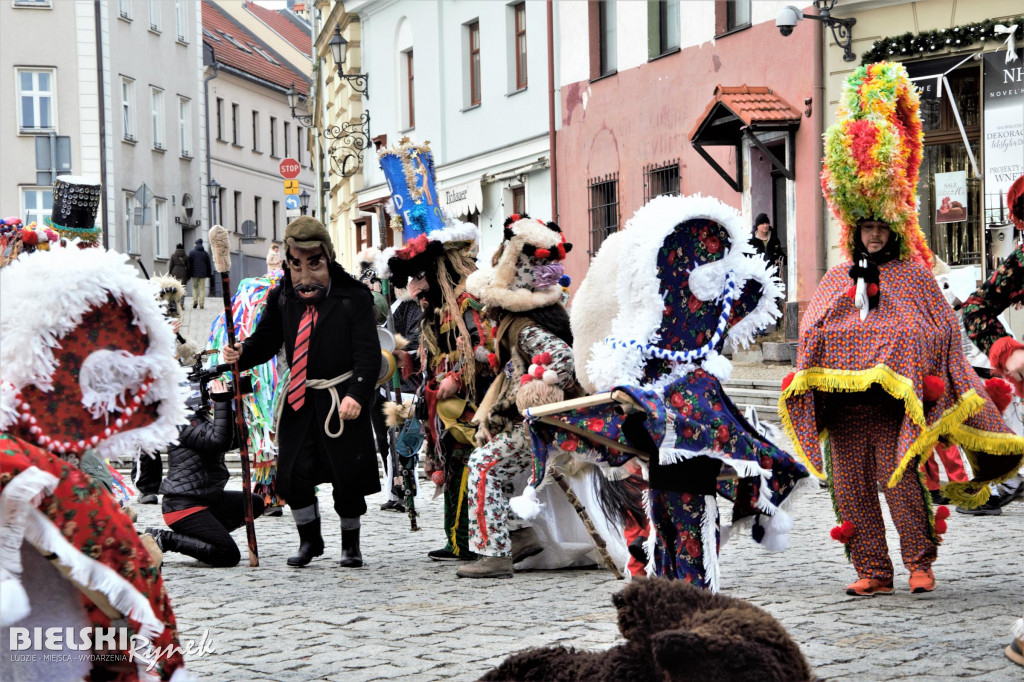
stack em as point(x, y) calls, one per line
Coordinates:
point(311, 544)
point(351, 557)
point(169, 541)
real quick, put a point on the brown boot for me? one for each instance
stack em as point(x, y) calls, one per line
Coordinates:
point(487, 567)
point(1015, 652)
point(525, 544)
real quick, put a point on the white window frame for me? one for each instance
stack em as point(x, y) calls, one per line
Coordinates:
point(160, 226)
point(36, 94)
point(39, 212)
point(185, 126)
point(273, 137)
point(124, 8)
point(287, 131)
point(156, 98)
point(154, 15)
point(132, 234)
point(128, 108)
point(32, 4)
point(181, 20)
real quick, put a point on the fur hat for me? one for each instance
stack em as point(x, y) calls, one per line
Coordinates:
point(526, 268)
point(170, 293)
point(873, 157)
point(308, 233)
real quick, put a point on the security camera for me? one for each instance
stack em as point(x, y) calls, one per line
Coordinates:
point(787, 19)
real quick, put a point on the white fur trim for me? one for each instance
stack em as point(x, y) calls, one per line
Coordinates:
point(15, 601)
point(718, 366)
point(106, 375)
point(8, 406)
point(455, 231)
point(20, 495)
point(526, 506)
point(652, 534)
point(33, 319)
point(709, 531)
point(707, 282)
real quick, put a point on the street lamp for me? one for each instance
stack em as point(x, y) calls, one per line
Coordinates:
point(788, 17)
point(214, 188)
point(293, 101)
point(339, 49)
point(304, 202)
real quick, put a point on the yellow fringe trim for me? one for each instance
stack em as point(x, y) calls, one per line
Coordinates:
point(463, 486)
point(950, 424)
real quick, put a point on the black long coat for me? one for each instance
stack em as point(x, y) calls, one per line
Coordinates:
point(344, 339)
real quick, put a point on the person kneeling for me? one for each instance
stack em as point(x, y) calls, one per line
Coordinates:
point(200, 513)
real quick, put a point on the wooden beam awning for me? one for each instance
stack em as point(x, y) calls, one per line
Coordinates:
point(744, 111)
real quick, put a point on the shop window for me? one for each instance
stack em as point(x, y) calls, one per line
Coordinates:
point(661, 180)
point(603, 209)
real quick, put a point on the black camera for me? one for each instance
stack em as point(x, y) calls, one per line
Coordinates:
point(200, 376)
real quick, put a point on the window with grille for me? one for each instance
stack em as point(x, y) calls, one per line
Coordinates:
point(603, 195)
point(661, 179)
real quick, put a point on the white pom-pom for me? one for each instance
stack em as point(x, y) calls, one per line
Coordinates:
point(526, 506)
point(776, 531)
point(550, 376)
point(718, 366)
point(707, 282)
point(15, 601)
point(532, 371)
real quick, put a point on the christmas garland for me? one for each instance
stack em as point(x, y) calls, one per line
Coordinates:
point(958, 37)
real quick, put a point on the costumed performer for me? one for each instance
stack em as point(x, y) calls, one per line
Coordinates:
point(455, 340)
point(323, 317)
point(880, 368)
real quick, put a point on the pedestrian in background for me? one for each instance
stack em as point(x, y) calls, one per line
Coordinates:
point(179, 265)
point(766, 242)
point(199, 269)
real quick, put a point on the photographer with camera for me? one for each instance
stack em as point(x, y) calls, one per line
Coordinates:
point(200, 513)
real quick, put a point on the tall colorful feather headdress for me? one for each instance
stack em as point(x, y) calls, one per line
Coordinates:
point(873, 157)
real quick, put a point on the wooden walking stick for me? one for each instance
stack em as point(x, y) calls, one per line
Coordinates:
point(220, 246)
point(581, 511)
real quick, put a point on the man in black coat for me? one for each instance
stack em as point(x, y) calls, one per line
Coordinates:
point(199, 269)
point(325, 434)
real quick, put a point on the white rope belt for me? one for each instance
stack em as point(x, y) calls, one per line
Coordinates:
point(329, 384)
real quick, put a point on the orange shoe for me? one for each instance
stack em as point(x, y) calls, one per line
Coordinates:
point(869, 587)
point(922, 581)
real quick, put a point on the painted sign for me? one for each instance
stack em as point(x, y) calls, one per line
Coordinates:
point(951, 197)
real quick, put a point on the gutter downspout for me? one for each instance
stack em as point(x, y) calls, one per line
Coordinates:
point(206, 98)
point(101, 94)
point(552, 149)
point(820, 212)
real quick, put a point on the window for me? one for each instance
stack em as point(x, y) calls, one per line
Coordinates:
point(298, 144)
point(731, 15)
point(160, 227)
point(659, 180)
point(662, 27)
point(154, 15)
point(124, 7)
point(128, 107)
point(364, 236)
point(238, 209)
point(132, 235)
point(32, 3)
point(220, 119)
point(275, 215)
point(407, 107)
point(257, 208)
point(606, 37)
point(36, 203)
point(474, 63)
point(285, 137)
point(519, 200)
point(234, 124)
point(273, 136)
point(410, 89)
point(181, 20)
point(157, 97)
point(255, 131)
point(603, 195)
point(185, 126)
point(35, 97)
point(520, 44)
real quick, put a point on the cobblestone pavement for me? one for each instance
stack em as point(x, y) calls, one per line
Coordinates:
point(405, 617)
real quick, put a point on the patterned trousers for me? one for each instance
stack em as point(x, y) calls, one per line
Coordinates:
point(492, 470)
point(863, 440)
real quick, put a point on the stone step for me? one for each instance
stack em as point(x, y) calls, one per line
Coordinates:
point(753, 396)
point(765, 413)
point(758, 384)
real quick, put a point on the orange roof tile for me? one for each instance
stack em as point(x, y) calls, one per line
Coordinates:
point(286, 25)
point(753, 104)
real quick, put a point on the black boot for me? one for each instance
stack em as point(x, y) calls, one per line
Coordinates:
point(351, 557)
point(311, 543)
point(169, 541)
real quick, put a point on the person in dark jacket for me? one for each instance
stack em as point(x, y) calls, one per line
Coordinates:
point(179, 264)
point(200, 269)
point(200, 513)
point(324, 319)
point(766, 242)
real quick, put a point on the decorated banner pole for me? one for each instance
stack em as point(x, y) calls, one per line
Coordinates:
point(220, 246)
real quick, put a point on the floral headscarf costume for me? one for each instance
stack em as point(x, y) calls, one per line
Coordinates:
point(908, 344)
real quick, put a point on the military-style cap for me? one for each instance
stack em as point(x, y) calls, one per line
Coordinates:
point(308, 233)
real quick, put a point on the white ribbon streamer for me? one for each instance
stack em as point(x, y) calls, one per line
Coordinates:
point(1011, 41)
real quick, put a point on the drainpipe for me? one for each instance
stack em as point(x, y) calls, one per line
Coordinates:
point(820, 212)
point(206, 101)
point(552, 149)
point(103, 120)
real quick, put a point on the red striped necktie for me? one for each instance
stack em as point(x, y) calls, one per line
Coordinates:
point(297, 384)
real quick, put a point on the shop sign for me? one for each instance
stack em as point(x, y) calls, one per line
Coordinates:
point(951, 197)
point(1004, 122)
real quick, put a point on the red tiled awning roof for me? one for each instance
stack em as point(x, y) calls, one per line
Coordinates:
point(236, 47)
point(286, 25)
point(754, 105)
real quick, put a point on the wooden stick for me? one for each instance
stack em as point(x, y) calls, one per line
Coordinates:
point(581, 511)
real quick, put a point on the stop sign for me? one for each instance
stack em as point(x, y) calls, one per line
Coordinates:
point(290, 168)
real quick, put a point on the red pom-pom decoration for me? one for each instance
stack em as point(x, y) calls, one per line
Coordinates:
point(542, 253)
point(787, 380)
point(542, 359)
point(525, 379)
point(1000, 391)
point(934, 387)
point(492, 360)
point(844, 532)
point(851, 292)
point(29, 238)
point(872, 289)
point(437, 477)
point(940, 527)
point(941, 513)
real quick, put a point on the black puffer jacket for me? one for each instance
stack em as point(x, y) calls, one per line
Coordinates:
point(196, 473)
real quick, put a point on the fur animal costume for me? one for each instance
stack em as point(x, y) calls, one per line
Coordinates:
point(661, 300)
point(880, 368)
point(87, 369)
point(675, 632)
